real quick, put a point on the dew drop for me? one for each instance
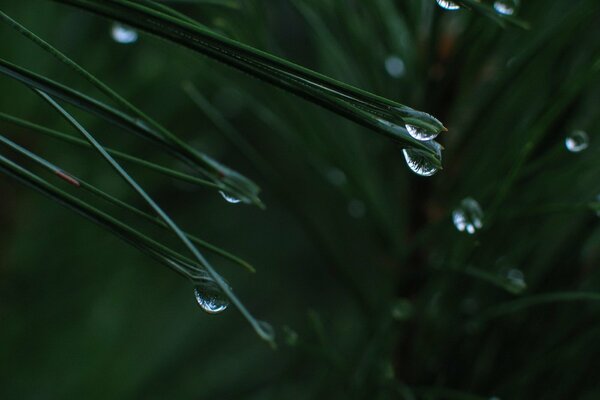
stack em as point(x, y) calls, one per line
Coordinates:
point(421, 134)
point(506, 7)
point(356, 208)
point(597, 206)
point(211, 299)
point(229, 198)
point(577, 141)
point(418, 160)
point(123, 34)
point(468, 217)
point(515, 281)
point(394, 66)
point(265, 330)
point(448, 5)
point(336, 176)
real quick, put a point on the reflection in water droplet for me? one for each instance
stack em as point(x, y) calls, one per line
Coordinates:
point(394, 66)
point(448, 5)
point(468, 216)
point(577, 141)
point(123, 34)
point(356, 208)
point(211, 299)
point(421, 134)
point(506, 7)
point(229, 198)
point(418, 160)
point(515, 281)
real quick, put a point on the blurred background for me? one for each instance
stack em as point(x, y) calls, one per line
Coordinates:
point(372, 290)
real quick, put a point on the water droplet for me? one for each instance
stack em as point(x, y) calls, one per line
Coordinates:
point(419, 162)
point(265, 330)
point(577, 141)
point(506, 7)
point(211, 299)
point(356, 208)
point(448, 5)
point(421, 134)
point(401, 309)
point(515, 281)
point(468, 216)
point(394, 66)
point(123, 34)
point(336, 176)
point(229, 198)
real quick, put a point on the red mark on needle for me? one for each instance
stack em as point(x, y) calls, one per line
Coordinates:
point(67, 177)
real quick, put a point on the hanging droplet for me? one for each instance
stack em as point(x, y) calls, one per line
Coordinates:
point(123, 34)
point(265, 330)
point(421, 134)
point(394, 66)
point(468, 217)
point(356, 208)
point(448, 5)
point(229, 198)
point(506, 7)
point(515, 281)
point(211, 299)
point(419, 162)
point(577, 141)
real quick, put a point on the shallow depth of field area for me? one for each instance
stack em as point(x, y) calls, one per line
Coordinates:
point(300, 199)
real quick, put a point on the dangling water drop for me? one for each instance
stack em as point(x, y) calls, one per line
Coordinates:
point(515, 281)
point(394, 66)
point(211, 299)
point(577, 141)
point(123, 34)
point(506, 7)
point(448, 5)
point(265, 330)
point(419, 162)
point(468, 216)
point(229, 198)
point(356, 208)
point(421, 134)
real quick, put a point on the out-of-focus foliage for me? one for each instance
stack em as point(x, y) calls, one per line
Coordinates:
point(373, 292)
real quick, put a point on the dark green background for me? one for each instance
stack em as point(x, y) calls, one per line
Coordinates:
point(84, 315)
